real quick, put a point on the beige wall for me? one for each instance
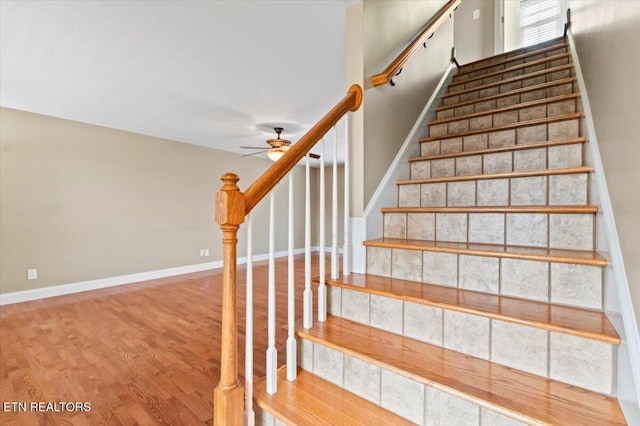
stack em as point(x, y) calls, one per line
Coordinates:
point(474, 38)
point(385, 26)
point(82, 202)
point(606, 34)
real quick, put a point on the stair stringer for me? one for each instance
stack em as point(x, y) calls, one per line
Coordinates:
point(617, 297)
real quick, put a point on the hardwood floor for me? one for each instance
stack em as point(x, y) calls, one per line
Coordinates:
point(145, 353)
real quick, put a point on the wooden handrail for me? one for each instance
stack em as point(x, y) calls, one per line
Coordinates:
point(396, 65)
point(270, 178)
point(231, 208)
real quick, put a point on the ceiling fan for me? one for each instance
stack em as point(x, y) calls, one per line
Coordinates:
point(278, 147)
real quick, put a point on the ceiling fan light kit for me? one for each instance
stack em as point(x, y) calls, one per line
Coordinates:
point(278, 146)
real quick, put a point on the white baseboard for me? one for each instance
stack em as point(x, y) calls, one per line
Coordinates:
point(63, 289)
point(619, 272)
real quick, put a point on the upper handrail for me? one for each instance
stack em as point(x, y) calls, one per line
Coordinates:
point(270, 178)
point(396, 65)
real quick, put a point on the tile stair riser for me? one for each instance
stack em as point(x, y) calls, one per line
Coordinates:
point(423, 404)
point(553, 230)
point(499, 58)
point(461, 76)
point(519, 83)
point(508, 73)
point(514, 133)
point(532, 112)
point(551, 190)
point(570, 359)
point(537, 280)
point(553, 157)
point(507, 99)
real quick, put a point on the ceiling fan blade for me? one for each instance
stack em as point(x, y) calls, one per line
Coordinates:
point(254, 147)
point(255, 153)
point(312, 155)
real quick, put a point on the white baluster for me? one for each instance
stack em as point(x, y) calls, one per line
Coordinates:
point(249, 414)
point(346, 252)
point(322, 289)
point(334, 205)
point(272, 353)
point(307, 296)
point(291, 340)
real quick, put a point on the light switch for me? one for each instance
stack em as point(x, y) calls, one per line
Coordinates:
point(476, 14)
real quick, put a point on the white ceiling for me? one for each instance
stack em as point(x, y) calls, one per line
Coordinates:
point(200, 72)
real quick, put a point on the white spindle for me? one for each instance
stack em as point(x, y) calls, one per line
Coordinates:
point(249, 414)
point(307, 296)
point(272, 353)
point(322, 290)
point(334, 205)
point(346, 252)
point(291, 340)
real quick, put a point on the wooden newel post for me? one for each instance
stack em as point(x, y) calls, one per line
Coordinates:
point(228, 396)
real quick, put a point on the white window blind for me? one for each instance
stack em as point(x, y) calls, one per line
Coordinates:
point(540, 20)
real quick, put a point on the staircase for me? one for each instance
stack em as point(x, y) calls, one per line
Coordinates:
point(482, 304)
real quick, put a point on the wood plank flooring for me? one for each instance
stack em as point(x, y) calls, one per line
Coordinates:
point(145, 353)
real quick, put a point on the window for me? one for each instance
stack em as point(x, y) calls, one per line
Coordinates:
point(540, 20)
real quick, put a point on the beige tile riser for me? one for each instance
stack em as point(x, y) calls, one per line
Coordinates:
point(553, 230)
point(497, 138)
point(574, 360)
point(507, 64)
point(414, 400)
point(552, 190)
point(554, 157)
point(495, 89)
point(506, 74)
point(558, 283)
point(502, 118)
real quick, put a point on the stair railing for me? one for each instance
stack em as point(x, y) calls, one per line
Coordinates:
point(233, 403)
point(395, 67)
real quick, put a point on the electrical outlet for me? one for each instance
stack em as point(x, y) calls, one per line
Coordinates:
point(201, 252)
point(476, 14)
point(206, 252)
point(32, 274)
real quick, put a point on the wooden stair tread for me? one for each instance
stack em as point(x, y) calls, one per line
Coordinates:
point(510, 80)
point(507, 108)
point(578, 322)
point(578, 257)
point(509, 126)
point(556, 41)
point(527, 173)
point(516, 58)
point(501, 149)
point(523, 396)
point(310, 400)
point(512, 68)
point(495, 209)
point(510, 93)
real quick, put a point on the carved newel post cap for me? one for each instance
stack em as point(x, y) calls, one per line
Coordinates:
point(230, 201)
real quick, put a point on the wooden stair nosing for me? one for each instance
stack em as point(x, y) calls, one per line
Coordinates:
point(534, 122)
point(511, 80)
point(579, 322)
point(520, 147)
point(510, 93)
point(517, 58)
point(527, 104)
point(543, 254)
point(505, 175)
point(496, 209)
point(552, 42)
point(311, 400)
point(517, 394)
point(513, 68)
